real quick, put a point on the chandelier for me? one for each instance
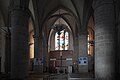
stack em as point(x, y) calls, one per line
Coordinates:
point(59, 27)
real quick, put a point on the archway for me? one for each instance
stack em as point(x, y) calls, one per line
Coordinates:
point(90, 45)
point(31, 44)
point(61, 47)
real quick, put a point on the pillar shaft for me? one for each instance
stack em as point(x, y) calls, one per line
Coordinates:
point(19, 44)
point(7, 52)
point(76, 53)
point(38, 53)
point(118, 54)
point(83, 60)
point(38, 47)
point(2, 50)
point(45, 55)
point(104, 39)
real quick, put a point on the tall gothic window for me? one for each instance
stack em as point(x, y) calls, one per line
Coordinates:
point(62, 40)
point(88, 44)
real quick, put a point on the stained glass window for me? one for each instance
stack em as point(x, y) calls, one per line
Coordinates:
point(88, 44)
point(66, 40)
point(61, 41)
point(56, 41)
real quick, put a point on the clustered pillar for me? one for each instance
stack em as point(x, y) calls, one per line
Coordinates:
point(105, 37)
point(19, 44)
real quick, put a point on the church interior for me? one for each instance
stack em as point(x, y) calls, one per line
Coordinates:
point(59, 40)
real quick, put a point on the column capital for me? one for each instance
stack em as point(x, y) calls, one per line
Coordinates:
point(20, 11)
point(98, 3)
point(37, 36)
point(19, 4)
point(83, 33)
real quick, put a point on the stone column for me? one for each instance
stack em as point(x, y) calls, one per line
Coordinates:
point(19, 44)
point(118, 54)
point(76, 53)
point(105, 37)
point(82, 59)
point(7, 52)
point(45, 54)
point(38, 53)
point(2, 49)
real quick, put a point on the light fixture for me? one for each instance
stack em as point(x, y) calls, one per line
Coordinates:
point(59, 27)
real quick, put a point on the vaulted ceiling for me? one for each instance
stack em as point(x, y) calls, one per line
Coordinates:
point(74, 12)
point(46, 8)
point(45, 12)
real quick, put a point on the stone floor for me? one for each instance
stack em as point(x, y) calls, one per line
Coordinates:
point(47, 76)
point(72, 76)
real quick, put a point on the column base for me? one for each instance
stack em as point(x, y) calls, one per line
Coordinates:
point(106, 79)
point(17, 79)
point(38, 68)
point(105, 76)
point(82, 68)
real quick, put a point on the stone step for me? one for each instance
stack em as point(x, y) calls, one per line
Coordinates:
point(81, 79)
